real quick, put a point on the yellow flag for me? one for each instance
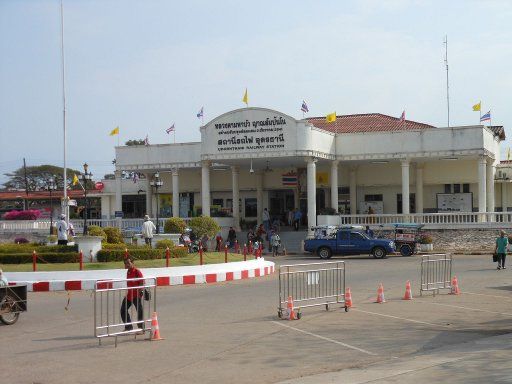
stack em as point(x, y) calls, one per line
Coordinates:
point(331, 117)
point(246, 98)
point(75, 180)
point(115, 131)
point(477, 107)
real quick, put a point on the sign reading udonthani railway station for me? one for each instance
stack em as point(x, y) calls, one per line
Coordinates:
point(249, 130)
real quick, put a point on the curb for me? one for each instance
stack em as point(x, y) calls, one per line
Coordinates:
point(168, 277)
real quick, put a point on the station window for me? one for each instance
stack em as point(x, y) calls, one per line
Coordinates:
point(456, 188)
point(343, 190)
point(373, 197)
point(251, 207)
point(465, 188)
point(219, 202)
point(447, 188)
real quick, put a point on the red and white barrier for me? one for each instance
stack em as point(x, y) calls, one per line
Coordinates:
point(199, 274)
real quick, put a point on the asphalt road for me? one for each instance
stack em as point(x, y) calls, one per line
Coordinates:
point(229, 332)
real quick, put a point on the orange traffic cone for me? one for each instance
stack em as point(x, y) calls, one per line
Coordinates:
point(348, 298)
point(380, 294)
point(408, 293)
point(290, 313)
point(455, 286)
point(155, 329)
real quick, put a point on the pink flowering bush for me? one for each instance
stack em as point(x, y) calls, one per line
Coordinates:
point(31, 214)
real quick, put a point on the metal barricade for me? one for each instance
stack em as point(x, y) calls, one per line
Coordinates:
point(436, 272)
point(312, 285)
point(110, 306)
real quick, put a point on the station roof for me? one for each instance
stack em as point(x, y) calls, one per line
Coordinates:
point(366, 122)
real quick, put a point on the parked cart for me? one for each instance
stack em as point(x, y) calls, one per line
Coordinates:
point(13, 301)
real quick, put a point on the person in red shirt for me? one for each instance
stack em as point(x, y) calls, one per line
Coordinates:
point(133, 296)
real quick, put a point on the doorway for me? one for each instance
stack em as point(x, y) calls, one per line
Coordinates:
point(280, 203)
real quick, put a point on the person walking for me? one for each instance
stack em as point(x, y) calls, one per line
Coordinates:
point(276, 242)
point(133, 296)
point(231, 237)
point(147, 230)
point(297, 216)
point(266, 219)
point(62, 231)
point(501, 250)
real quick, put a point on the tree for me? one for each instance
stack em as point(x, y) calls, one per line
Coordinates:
point(38, 176)
point(135, 142)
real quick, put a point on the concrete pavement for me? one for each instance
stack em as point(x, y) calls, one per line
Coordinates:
point(229, 332)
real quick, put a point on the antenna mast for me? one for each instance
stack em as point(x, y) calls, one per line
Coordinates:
point(447, 79)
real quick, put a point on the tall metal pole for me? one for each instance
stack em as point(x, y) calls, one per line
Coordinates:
point(26, 184)
point(447, 79)
point(65, 192)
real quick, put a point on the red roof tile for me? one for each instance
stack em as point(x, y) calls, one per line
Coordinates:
point(368, 122)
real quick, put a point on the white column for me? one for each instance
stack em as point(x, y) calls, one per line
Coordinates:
point(311, 180)
point(205, 188)
point(419, 187)
point(175, 193)
point(334, 185)
point(259, 196)
point(491, 170)
point(149, 195)
point(353, 190)
point(504, 199)
point(482, 164)
point(119, 196)
point(405, 187)
point(235, 172)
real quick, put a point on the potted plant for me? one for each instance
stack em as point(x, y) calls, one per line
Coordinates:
point(425, 243)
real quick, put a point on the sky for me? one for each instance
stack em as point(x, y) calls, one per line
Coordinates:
point(145, 65)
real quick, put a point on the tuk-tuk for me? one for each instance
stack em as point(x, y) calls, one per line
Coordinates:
point(406, 236)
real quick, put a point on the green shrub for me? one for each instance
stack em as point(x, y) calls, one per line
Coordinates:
point(204, 225)
point(163, 244)
point(108, 246)
point(23, 258)
point(178, 252)
point(114, 235)
point(95, 230)
point(141, 253)
point(426, 239)
point(175, 225)
point(29, 248)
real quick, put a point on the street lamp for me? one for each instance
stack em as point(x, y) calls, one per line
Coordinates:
point(157, 183)
point(86, 176)
point(51, 186)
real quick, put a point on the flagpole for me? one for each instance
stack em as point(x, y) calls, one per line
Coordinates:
point(480, 121)
point(447, 79)
point(174, 134)
point(65, 192)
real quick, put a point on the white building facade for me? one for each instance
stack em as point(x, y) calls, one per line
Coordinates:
point(256, 158)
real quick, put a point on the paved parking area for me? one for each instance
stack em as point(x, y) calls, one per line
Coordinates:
point(229, 332)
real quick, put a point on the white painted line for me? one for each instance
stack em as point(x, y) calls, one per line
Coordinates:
point(470, 308)
point(401, 318)
point(326, 339)
point(483, 294)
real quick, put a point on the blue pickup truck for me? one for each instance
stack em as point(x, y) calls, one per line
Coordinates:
point(348, 241)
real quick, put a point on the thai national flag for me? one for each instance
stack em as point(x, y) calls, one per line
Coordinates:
point(289, 179)
point(170, 129)
point(200, 113)
point(146, 140)
point(304, 107)
point(486, 117)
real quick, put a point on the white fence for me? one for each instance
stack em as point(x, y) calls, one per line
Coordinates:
point(448, 220)
point(125, 224)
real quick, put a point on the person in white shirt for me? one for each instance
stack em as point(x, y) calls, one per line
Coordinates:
point(147, 230)
point(62, 231)
point(266, 219)
point(3, 279)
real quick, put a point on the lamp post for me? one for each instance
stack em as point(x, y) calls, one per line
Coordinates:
point(86, 176)
point(51, 186)
point(157, 183)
